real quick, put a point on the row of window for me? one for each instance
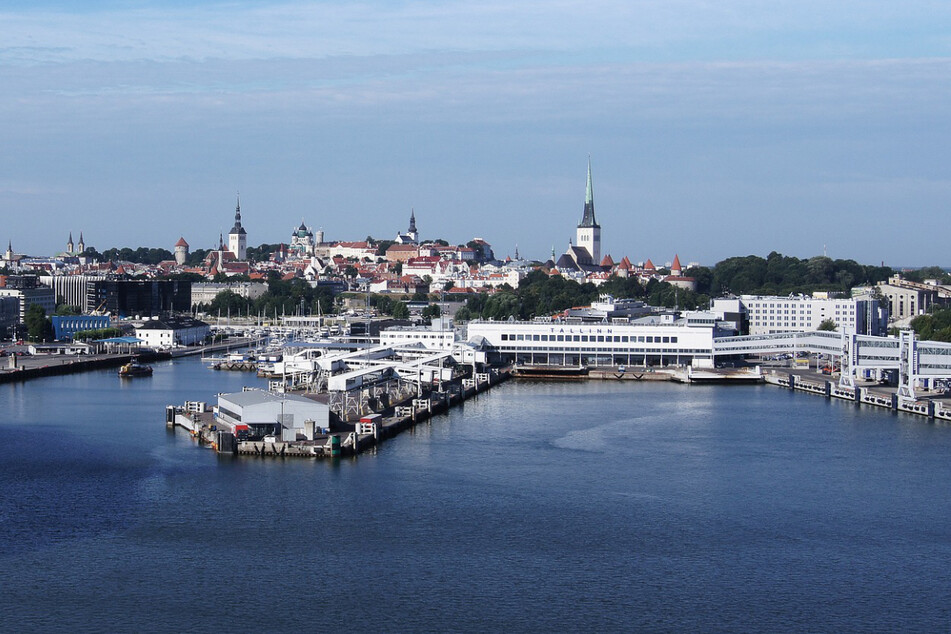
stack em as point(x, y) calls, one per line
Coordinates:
point(591, 338)
point(628, 351)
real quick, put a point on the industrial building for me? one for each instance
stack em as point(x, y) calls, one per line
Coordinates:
point(284, 416)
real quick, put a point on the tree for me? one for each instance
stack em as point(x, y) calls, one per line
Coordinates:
point(828, 325)
point(65, 309)
point(431, 312)
point(38, 327)
point(463, 314)
point(400, 310)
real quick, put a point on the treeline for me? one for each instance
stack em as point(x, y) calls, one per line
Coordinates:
point(935, 326)
point(282, 297)
point(541, 295)
point(142, 255)
point(777, 274)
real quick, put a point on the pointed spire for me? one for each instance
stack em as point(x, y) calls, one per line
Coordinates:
point(676, 265)
point(588, 220)
point(237, 228)
point(412, 221)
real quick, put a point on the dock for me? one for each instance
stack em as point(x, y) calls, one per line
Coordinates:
point(342, 438)
point(934, 407)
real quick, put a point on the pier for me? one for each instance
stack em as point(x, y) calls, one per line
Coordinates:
point(936, 406)
point(341, 438)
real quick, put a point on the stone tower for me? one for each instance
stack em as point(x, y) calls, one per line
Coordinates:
point(181, 251)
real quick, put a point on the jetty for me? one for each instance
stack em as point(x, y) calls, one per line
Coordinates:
point(339, 437)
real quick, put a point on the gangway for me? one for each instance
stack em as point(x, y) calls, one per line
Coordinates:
point(915, 360)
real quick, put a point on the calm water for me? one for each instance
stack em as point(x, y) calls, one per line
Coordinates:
point(539, 506)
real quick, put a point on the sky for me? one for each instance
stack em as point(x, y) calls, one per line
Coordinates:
point(714, 129)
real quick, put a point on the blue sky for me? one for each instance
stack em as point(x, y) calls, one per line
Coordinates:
point(714, 128)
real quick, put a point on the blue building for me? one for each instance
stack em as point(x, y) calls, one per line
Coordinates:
point(65, 326)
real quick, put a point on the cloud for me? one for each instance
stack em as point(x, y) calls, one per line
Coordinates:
point(674, 29)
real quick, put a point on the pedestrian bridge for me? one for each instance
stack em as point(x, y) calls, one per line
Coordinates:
point(915, 360)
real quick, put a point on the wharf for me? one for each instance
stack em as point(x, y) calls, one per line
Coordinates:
point(363, 436)
point(935, 406)
point(38, 366)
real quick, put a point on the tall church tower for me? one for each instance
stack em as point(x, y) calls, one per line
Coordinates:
point(238, 237)
point(589, 231)
point(412, 232)
point(69, 244)
point(82, 245)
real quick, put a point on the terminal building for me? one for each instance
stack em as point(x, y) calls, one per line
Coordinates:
point(654, 341)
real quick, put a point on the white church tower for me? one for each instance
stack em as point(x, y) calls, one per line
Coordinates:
point(238, 237)
point(589, 231)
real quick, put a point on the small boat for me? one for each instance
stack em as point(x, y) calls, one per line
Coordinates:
point(133, 369)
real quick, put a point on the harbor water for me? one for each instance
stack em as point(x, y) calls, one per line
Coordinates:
point(562, 506)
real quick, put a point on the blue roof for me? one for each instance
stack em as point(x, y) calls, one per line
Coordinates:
point(120, 340)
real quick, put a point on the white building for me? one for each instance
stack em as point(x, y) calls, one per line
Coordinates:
point(665, 342)
point(288, 415)
point(171, 331)
point(801, 313)
point(435, 338)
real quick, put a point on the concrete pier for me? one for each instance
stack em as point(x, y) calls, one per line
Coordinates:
point(935, 407)
point(199, 421)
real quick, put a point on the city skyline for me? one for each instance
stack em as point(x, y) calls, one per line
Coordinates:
point(713, 131)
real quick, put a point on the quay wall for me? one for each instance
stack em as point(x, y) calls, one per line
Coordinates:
point(862, 395)
point(58, 366)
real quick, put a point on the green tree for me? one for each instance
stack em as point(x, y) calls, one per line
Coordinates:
point(400, 310)
point(828, 325)
point(38, 326)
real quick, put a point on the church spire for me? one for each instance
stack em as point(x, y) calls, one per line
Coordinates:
point(412, 221)
point(237, 228)
point(588, 220)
